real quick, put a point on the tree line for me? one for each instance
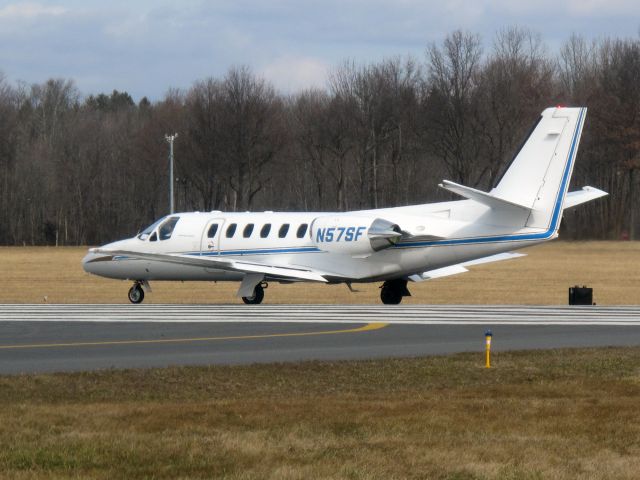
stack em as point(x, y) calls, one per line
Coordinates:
point(81, 170)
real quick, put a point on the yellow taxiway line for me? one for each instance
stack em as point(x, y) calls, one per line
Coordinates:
point(365, 328)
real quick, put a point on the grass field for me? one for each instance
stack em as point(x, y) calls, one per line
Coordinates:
point(561, 414)
point(565, 414)
point(31, 274)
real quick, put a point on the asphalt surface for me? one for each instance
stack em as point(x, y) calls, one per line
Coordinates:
point(51, 338)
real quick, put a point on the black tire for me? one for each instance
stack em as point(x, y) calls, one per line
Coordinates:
point(256, 299)
point(136, 294)
point(390, 296)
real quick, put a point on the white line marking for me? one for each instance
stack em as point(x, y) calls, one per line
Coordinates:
point(346, 314)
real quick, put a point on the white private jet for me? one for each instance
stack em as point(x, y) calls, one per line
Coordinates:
point(392, 245)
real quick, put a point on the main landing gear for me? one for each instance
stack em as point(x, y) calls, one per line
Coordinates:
point(136, 293)
point(392, 291)
point(258, 294)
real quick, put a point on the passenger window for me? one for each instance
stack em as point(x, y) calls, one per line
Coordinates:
point(302, 230)
point(166, 229)
point(248, 230)
point(153, 237)
point(231, 231)
point(213, 229)
point(284, 229)
point(264, 231)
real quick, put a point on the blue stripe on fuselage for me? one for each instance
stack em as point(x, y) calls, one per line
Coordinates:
point(260, 251)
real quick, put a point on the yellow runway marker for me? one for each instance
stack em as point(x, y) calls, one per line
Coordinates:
point(365, 328)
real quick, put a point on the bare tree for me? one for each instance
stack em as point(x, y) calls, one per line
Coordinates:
point(8, 146)
point(253, 133)
point(204, 164)
point(450, 106)
point(577, 66)
point(90, 170)
point(376, 98)
point(514, 85)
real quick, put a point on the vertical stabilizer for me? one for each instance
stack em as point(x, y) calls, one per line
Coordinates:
point(539, 175)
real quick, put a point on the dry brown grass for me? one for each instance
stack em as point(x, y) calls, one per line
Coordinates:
point(558, 415)
point(30, 274)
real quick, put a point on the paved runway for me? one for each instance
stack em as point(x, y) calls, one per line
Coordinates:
point(45, 338)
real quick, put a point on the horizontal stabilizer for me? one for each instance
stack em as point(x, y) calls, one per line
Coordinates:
point(581, 196)
point(483, 197)
point(461, 267)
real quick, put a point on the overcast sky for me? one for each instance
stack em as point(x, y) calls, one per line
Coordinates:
point(145, 47)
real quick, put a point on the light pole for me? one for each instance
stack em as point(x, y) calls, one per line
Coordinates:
point(170, 139)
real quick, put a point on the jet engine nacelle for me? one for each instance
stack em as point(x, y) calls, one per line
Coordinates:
point(354, 235)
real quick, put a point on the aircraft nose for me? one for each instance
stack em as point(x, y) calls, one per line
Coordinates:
point(91, 262)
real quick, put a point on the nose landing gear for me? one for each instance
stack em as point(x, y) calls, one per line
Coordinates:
point(136, 293)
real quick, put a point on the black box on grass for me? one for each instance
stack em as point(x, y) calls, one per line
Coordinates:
point(580, 295)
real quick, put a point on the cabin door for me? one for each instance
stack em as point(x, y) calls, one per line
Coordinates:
point(211, 236)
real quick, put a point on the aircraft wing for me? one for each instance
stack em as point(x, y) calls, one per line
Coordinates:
point(461, 267)
point(289, 271)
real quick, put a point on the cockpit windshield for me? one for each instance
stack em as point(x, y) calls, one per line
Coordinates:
point(166, 229)
point(166, 226)
point(147, 231)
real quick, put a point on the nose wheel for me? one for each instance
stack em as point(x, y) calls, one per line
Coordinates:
point(257, 297)
point(136, 293)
